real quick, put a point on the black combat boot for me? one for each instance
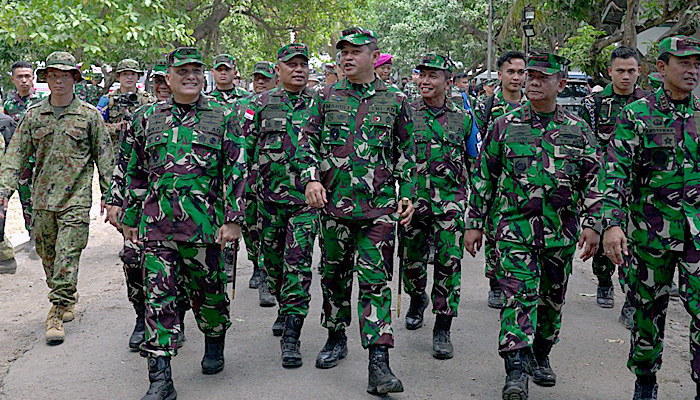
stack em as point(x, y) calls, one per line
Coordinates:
point(335, 349)
point(265, 298)
point(213, 360)
point(161, 378)
point(541, 371)
point(442, 345)
point(697, 391)
point(381, 379)
point(255, 279)
point(496, 297)
point(291, 356)
point(606, 295)
point(181, 336)
point(278, 326)
point(516, 378)
point(139, 333)
point(645, 388)
point(414, 315)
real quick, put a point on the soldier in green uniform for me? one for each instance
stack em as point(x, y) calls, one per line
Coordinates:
point(600, 110)
point(441, 132)
point(656, 80)
point(536, 178)
point(358, 149)
point(66, 136)
point(184, 203)
point(289, 226)
point(8, 264)
point(86, 90)
point(508, 97)
point(651, 207)
point(224, 71)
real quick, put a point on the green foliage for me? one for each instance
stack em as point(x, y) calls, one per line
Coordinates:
point(577, 50)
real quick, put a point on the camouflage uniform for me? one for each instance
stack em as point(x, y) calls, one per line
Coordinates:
point(652, 191)
point(357, 143)
point(65, 148)
point(88, 92)
point(533, 171)
point(7, 128)
point(229, 96)
point(600, 110)
point(186, 179)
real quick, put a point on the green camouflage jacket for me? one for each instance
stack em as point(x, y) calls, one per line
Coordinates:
point(87, 92)
point(15, 106)
point(186, 173)
point(229, 96)
point(601, 110)
point(441, 157)
point(272, 124)
point(65, 149)
point(114, 111)
point(536, 182)
point(499, 107)
point(655, 157)
point(357, 142)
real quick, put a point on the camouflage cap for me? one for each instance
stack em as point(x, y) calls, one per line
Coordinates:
point(547, 63)
point(356, 36)
point(224, 59)
point(184, 55)
point(292, 50)
point(128, 64)
point(435, 61)
point(60, 60)
point(265, 68)
point(161, 67)
point(680, 46)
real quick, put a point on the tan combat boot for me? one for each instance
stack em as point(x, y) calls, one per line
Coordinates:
point(54, 325)
point(69, 314)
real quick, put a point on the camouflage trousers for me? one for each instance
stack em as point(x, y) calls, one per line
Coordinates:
point(534, 283)
point(7, 252)
point(372, 242)
point(604, 269)
point(288, 234)
point(446, 231)
point(25, 193)
point(61, 237)
point(650, 278)
point(251, 230)
point(200, 267)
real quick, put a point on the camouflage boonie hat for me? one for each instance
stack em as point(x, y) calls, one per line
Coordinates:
point(60, 60)
point(436, 61)
point(265, 68)
point(128, 64)
point(224, 59)
point(356, 36)
point(292, 50)
point(679, 46)
point(547, 63)
point(184, 55)
point(161, 67)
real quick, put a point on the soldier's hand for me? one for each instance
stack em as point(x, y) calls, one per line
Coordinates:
point(591, 239)
point(229, 232)
point(472, 241)
point(615, 244)
point(406, 214)
point(113, 215)
point(130, 233)
point(316, 194)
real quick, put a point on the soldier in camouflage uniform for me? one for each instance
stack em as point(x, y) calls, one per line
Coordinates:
point(15, 104)
point(357, 146)
point(86, 90)
point(511, 72)
point(186, 180)
point(600, 110)
point(411, 88)
point(535, 179)
point(8, 264)
point(652, 192)
point(224, 71)
point(289, 226)
point(117, 108)
point(441, 131)
point(66, 136)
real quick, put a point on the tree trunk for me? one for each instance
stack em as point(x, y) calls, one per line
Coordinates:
point(629, 33)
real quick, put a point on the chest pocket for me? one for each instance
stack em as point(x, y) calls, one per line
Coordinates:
point(569, 143)
point(206, 142)
point(77, 144)
point(380, 118)
point(420, 136)
point(274, 124)
point(520, 149)
point(455, 133)
point(659, 152)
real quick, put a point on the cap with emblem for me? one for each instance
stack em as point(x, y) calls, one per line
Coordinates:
point(224, 59)
point(264, 68)
point(60, 60)
point(680, 46)
point(292, 50)
point(435, 61)
point(128, 64)
point(547, 63)
point(184, 55)
point(356, 36)
point(161, 67)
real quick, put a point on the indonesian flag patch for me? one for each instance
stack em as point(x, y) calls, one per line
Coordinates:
point(249, 114)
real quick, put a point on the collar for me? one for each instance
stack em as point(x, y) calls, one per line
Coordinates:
point(202, 103)
point(664, 103)
point(45, 106)
point(527, 113)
